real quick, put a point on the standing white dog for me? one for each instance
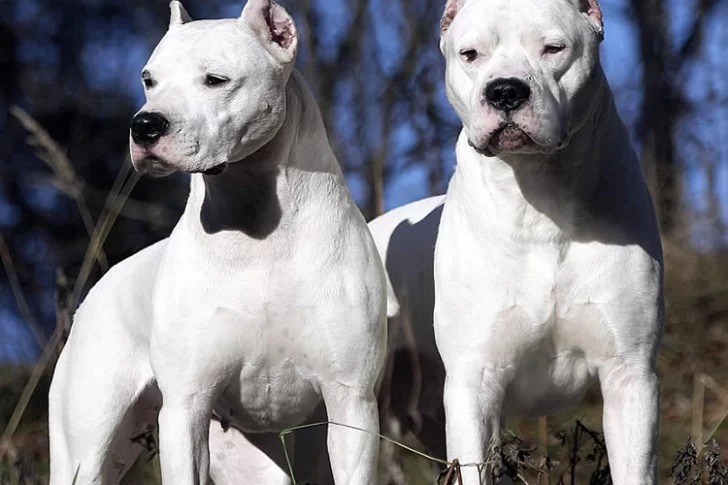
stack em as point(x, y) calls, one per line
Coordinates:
point(268, 295)
point(548, 265)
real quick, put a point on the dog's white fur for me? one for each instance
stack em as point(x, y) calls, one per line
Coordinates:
point(548, 264)
point(268, 295)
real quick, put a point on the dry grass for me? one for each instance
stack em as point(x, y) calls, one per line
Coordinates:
point(12, 457)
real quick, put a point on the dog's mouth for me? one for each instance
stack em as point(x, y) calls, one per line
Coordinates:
point(152, 161)
point(508, 138)
point(156, 167)
point(217, 170)
point(153, 167)
point(483, 151)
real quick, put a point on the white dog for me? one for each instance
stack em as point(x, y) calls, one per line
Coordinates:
point(268, 295)
point(548, 264)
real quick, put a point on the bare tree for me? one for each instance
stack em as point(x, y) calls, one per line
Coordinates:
point(663, 99)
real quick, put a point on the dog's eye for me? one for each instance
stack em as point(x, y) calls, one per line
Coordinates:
point(553, 48)
point(469, 54)
point(213, 80)
point(147, 80)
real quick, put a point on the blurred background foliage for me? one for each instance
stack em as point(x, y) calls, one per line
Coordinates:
point(69, 72)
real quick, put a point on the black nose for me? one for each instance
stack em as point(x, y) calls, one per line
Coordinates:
point(147, 128)
point(507, 94)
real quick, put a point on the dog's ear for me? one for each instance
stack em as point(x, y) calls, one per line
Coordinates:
point(452, 7)
point(178, 14)
point(275, 26)
point(593, 11)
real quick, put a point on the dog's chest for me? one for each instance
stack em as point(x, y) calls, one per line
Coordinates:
point(277, 363)
point(269, 394)
point(558, 328)
point(538, 313)
point(558, 360)
point(257, 334)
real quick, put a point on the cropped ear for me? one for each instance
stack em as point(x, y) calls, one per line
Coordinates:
point(594, 12)
point(178, 14)
point(452, 7)
point(275, 26)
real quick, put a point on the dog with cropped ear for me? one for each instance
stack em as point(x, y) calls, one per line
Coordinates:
point(540, 272)
point(268, 297)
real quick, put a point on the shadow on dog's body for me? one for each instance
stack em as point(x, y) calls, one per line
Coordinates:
point(411, 391)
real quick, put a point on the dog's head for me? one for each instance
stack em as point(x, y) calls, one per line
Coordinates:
point(215, 90)
point(517, 70)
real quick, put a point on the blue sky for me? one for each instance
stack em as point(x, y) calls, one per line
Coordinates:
point(122, 57)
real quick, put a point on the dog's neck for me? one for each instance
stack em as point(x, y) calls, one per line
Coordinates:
point(260, 193)
point(567, 187)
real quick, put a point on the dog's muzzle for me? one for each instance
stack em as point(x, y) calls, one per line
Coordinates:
point(508, 137)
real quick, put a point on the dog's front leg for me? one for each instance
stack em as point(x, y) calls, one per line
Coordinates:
point(192, 364)
point(473, 400)
point(353, 453)
point(631, 393)
point(184, 424)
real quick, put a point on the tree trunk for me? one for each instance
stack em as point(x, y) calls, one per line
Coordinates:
point(659, 112)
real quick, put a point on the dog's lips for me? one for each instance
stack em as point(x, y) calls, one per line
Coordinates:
point(216, 170)
point(509, 137)
point(483, 151)
point(145, 161)
point(154, 166)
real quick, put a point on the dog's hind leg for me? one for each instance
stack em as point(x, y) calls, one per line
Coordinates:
point(311, 463)
point(102, 396)
point(135, 475)
point(101, 403)
point(252, 459)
